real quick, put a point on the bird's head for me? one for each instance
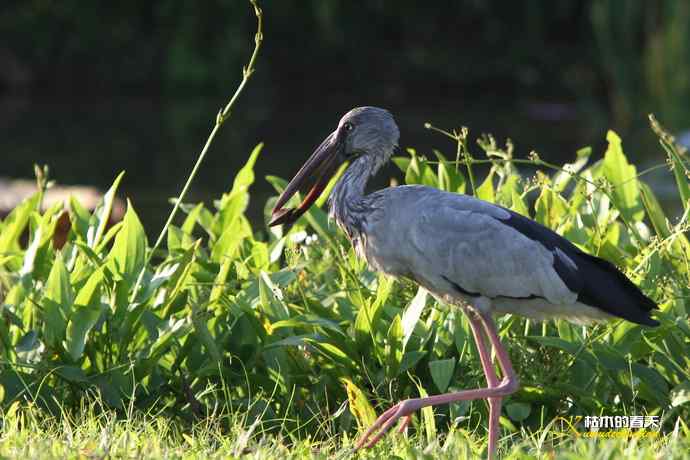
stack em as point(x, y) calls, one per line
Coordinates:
point(363, 131)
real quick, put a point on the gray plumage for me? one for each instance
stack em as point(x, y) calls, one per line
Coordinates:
point(463, 250)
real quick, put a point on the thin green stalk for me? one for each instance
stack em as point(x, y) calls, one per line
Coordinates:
point(223, 115)
point(462, 150)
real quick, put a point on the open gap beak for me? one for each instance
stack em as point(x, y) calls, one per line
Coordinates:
point(311, 180)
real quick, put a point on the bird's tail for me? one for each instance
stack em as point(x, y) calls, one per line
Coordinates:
point(610, 290)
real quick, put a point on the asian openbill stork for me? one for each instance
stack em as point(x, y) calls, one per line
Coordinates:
point(484, 258)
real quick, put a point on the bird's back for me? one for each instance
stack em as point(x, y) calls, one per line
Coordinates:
point(458, 246)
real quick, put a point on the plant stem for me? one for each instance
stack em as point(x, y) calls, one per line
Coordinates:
point(222, 116)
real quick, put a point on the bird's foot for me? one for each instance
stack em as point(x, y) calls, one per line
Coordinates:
point(403, 409)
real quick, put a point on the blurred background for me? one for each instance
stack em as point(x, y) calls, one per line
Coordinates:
point(92, 88)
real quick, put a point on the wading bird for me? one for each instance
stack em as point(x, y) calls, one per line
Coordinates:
point(481, 257)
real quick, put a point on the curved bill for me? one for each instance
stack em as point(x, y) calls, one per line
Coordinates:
point(311, 180)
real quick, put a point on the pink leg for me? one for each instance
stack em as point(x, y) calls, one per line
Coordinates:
point(508, 385)
point(491, 379)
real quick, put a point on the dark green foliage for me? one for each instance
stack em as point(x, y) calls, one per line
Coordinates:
point(288, 327)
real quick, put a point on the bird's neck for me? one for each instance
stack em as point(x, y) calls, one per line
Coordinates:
point(349, 206)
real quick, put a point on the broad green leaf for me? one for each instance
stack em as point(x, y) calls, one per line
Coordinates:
point(518, 411)
point(57, 301)
point(71, 373)
point(219, 284)
point(486, 191)
point(653, 386)
point(129, 250)
point(101, 214)
point(15, 224)
point(192, 218)
point(227, 246)
point(271, 299)
point(551, 208)
point(427, 415)
point(412, 314)
point(449, 177)
point(359, 405)
point(174, 238)
point(441, 372)
point(410, 360)
point(419, 172)
point(654, 211)
point(30, 254)
point(368, 315)
point(260, 257)
point(555, 342)
point(171, 330)
point(518, 204)
point(85, 313)
point(337, 355)
point(394, 346)
point(107, 238)
point(233, 204)
point(680, 394)
point(623, 177)
point(80, 218)
point(401, 162)
point(680, 171)
point(199, 320)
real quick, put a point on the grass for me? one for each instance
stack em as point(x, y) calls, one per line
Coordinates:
point(233, 339)
point(92, 433)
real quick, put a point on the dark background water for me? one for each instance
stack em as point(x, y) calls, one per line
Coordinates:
point(94, 89)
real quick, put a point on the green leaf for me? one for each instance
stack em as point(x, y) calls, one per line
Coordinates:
point(14, 225)
point(441, 372)
point(427, 415)
point(518, 411)
point(233, 204)
point(57, 301)
point(71, 373)
point(220, 283)
point(518, 204)
point(86, 311)
point(449, 177)
point(394, 346)
point(359, 405)
point(192, 218)
point(199, 320)
point(680, 394)
point(680, 171)
point(80, 219)
point(486, 191)
point(412, 314)
point(271, 299)
point(656, 214)
point(101, 215)
point(623, 177)
point(30, 254)
point(410, 360)
point(129, 250)
point(227, 246)
point(551, 208)
point(555, 342)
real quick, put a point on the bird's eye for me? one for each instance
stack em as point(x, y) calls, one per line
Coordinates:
point(348, 126)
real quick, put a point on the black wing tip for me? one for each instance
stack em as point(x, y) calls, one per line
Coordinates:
point(643, 320)
point(651, 323)
point(638, 305)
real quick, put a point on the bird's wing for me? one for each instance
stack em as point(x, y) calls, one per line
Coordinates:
point(470, 244)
